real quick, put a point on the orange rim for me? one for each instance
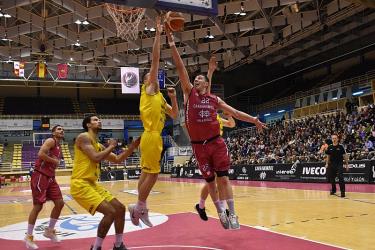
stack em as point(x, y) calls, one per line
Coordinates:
point(118, 8)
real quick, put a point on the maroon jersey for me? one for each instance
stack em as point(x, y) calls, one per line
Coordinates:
point(48, 168)
point(201, 116)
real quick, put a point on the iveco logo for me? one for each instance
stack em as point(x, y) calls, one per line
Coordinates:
point(314, 170)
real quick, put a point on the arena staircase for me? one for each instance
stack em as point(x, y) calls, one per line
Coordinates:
point(17, 156)
point(91, 107)
point(1, 105)
point(67, 156)
point(76, 106)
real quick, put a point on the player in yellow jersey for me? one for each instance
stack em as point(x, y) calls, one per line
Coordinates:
point(153, 108)
point(88, 153)
point(229, 123)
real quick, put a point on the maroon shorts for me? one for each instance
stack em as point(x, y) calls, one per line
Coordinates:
point(44, 188)
point(212, 157)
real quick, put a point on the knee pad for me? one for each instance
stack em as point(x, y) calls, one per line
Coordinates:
point(210, 179)
point(222, 173)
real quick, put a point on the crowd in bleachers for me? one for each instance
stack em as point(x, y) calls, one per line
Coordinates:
point(289, 141)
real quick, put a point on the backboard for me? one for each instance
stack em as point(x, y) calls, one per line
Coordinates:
point(200, 7)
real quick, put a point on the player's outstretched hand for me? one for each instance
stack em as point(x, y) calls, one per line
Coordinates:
point(171, 92)
point(260, 125)
point(112, 142)
point(212, 64)
point(159, 26)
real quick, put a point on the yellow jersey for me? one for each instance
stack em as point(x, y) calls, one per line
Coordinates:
point(83, 167)
point(152, 109)
point(220, 124)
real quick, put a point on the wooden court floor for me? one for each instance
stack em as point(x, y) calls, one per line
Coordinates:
point(309, 214)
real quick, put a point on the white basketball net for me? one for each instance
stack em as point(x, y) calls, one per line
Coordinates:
point(126, 20)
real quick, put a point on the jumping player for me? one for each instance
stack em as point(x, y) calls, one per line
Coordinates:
point(229, 123)
point(153, 108)
point(208, 146)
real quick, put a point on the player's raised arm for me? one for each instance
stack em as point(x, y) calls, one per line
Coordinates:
point(212, 65)
point(241, 115)
point(182, 72)
point(172, 111)
point(153, 84)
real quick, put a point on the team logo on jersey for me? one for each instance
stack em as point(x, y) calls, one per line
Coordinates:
point(73, 227)
point(204, 113)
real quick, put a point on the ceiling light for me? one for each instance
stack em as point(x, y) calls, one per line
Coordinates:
point(1, 14)
point(78, 22)
point(85, 22)
point(77, 44)
point(152, 29)
point(6, 39)
point(243, 14)
point(281, 111)
point(71, 59)
point(6, 15)
point(358, 93)
point(268, 114)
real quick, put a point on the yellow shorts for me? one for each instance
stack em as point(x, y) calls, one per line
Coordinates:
point(88, 194)
point(151, 146)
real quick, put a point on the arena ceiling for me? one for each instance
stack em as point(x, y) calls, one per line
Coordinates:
point(281, 32)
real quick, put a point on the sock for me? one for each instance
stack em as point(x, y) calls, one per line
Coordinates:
point(202, 203)
point(218, 206)
point(98, 243)
point(30, 229)
point(141, 205)
point(230, 203)
point(52, 223)
point(118, 240)
point(223, 204)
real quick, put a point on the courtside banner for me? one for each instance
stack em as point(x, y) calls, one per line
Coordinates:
point(312, 172)
point(130, 80)
point(372, 171)
point(133, 173)
point(359, 172)
point(113, 175)
point(186, 172)
point(244, 172)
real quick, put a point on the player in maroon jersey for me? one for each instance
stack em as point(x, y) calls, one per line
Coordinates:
point(208, 146)
point(44, 186)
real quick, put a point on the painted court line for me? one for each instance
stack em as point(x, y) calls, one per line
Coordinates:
point(172, 246)
point(288, 235)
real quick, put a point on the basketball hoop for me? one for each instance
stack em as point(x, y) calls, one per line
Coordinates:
point(126, 19)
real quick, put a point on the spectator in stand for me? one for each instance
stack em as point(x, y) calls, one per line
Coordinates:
point(302, 138)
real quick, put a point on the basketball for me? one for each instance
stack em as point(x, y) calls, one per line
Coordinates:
point(175, 20)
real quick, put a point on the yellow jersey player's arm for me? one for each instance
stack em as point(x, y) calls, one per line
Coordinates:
point(152, 86)
point(84, 143)
point(240, 115)
point(182, 72)
point(172, 111)
point(229, 122)
point(43, 151)
point(121, 157)
point(211, 69)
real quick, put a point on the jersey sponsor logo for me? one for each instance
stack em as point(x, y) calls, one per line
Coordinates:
point(204, 113)
point(73, 227)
